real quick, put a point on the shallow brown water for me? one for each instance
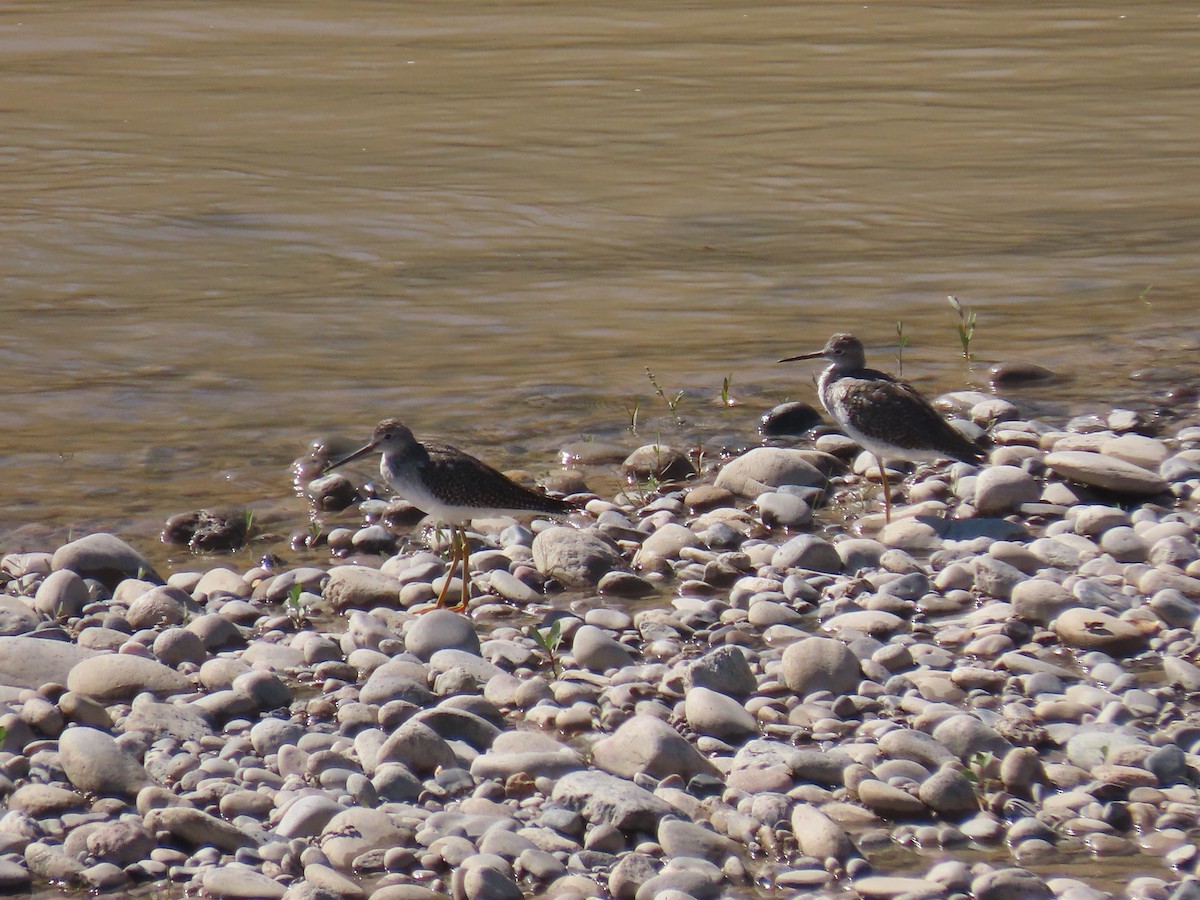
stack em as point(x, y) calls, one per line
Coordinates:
point(230, 229)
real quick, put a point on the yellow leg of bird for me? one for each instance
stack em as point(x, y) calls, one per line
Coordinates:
point(887, 491)
point(464, 554)
point(450, 569)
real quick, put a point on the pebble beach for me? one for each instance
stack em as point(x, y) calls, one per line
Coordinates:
point(733, 679)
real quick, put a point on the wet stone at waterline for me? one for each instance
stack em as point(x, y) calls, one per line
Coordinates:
point(207, 529)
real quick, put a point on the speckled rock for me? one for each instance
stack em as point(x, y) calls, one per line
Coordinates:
point(723, 669)
point(996, 578)
point(647, 744)
point(820, 664)
point(578, 559)
point(764, 468)
point(600, 797)
point(357, 587)
point(352, 833)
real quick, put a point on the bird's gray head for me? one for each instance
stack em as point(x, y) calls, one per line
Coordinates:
point(845, 351)
point(390, 436)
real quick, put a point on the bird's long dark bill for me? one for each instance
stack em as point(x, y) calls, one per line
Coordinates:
point(361, 451)
point(817, 355)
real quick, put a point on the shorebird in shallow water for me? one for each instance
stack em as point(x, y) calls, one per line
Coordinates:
point(884, 415)
point(450, 486)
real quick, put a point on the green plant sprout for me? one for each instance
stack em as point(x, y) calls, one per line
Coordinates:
point(979, 772)
point(634, 411)
point(965, 326)
point(294, 607)
point(549, 640)
point(672, 402)
point(726, 400)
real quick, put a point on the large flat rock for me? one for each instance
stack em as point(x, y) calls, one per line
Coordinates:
point(27, 662)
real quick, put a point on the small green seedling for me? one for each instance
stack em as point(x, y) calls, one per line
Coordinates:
point(634, 411)
point(965, 326)
point(727, 400)
point(672, 402)
point(549, 639)
point(979, 772)
point(294, 607)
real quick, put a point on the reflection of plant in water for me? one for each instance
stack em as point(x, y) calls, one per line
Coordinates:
point(901, 343)
point(549, 639)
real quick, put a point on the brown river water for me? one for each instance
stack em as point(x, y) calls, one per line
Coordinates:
point(230, 229)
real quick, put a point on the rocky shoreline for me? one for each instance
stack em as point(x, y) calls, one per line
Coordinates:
point(741, 685)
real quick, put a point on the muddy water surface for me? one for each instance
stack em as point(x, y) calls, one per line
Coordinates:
point(229, 229)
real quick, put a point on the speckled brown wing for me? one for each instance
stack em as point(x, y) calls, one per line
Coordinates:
point(893, 412)
point(459, 479)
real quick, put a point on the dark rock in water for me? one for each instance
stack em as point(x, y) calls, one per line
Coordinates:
point(1005, 374)
point(788, 419)
point(333, 492)
point(1183, 393)
point(306, 468)
point(1159, 375)
point(565, 481)
point(206, 529)
point(591, 453)
point(400, 514)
